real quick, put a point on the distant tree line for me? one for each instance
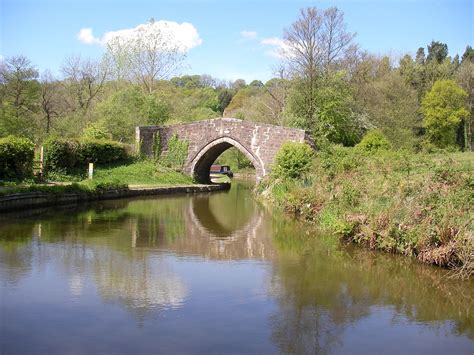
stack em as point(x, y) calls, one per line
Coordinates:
point(326, 84)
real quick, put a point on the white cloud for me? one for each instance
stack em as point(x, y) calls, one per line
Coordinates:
point(184, 35)
point(248, 34)
point(85, 36)
point(278, 47)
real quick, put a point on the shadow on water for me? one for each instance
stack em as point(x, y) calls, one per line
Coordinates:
point(210, 260)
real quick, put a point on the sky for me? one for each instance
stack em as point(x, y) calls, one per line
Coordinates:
point(226, 39)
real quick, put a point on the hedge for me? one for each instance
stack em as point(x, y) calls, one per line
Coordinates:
point(16, 158)
point(67, 155)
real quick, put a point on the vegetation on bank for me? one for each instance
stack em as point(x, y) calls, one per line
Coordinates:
point(412, 204)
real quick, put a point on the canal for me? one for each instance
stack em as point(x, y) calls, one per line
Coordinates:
point(213, 274)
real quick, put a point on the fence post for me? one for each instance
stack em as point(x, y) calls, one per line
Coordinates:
point(91, 170)
point(41, 161)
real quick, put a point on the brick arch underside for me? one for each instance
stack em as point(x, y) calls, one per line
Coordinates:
point(201, 163)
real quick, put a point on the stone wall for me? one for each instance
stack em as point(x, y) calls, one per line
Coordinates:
point(208, 139)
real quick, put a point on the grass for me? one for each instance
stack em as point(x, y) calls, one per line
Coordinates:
point(412, 204)
point(142, 173)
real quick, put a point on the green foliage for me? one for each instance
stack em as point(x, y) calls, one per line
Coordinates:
point(325, 108)
point(19, 95)
point(235, 159)
point(374, 140)
point(224, 98)
point(96, 130)
point(101, 151)
point(16, 158)
point(444, 108)
point(177, 153)
point(122, 111)
point(292, 160)
point(437, 51)
point(60, 155)
point(67, 155)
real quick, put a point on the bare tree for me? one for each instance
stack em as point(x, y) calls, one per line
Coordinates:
point(83, 80)
point(50, 100)
point(146, 55)
point(317, 41)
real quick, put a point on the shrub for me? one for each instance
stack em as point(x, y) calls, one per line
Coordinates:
point(374, 140)
point(65, 155)
point(293, 160)
point(16, 158)
point(60, 155)
point(101, 151)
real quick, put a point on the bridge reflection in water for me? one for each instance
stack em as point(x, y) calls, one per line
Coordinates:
point(214, 269)
point(213, 229)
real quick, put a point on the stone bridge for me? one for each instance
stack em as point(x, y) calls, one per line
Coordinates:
point(208, 139)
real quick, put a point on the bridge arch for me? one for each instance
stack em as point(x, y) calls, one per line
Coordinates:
point(201, 163)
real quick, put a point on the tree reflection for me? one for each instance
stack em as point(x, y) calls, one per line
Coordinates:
point(322, 287)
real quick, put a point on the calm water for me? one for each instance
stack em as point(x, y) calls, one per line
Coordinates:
point(213, 274)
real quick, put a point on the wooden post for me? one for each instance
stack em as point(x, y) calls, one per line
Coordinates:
point(41, 161)
point(91, 170)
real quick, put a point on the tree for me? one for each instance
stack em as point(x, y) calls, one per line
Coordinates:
point(147, 55)
point(121, 112)
point(468, 55)
point(224, 98)
point(314, 44)
point(465, 78)
point(420, 56)
point(334, 115)
point(256, 83)
point(392, 106)
point(437, 51)
point(19, 96)
point(49, 100)
point(444, 108)
point(84, 80)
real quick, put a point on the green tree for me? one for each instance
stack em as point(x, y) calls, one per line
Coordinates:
point(437, 51)
point(333, 118)
point(444, 108)
point(122, 111)
point(19, 94)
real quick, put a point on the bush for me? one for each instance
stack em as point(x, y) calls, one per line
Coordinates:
point(101, 151)
point(60, 155)
point(65, 155)
point(293, 160)
point(16, 158)
point(374, 140)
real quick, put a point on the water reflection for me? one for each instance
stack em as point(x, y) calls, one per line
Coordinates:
point(202, 266)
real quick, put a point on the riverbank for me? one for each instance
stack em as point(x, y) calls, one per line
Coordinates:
point(417, 205)
point(137, 178)
point(71, 194)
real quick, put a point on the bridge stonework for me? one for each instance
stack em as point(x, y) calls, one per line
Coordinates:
point(210, 138)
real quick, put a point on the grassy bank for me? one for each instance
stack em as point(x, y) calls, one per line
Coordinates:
point(142, 173)
point(412, 204)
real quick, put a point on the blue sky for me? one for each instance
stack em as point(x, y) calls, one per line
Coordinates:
point(46, 31)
